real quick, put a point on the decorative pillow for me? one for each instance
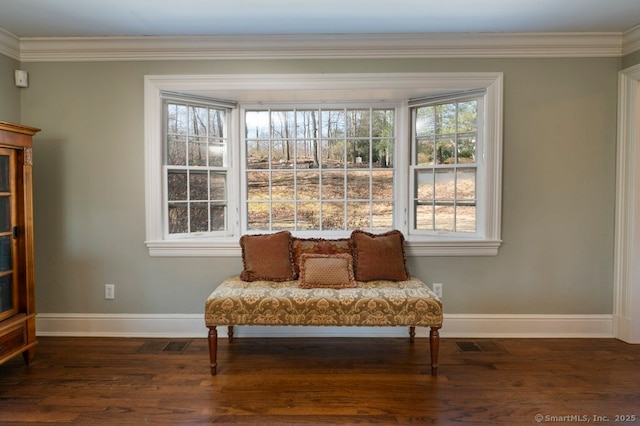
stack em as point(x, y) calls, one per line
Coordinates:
point(318, 246)
point(267, 257)
point(326, 271)
point(379, 256)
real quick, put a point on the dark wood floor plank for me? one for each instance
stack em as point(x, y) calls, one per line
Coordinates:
point(307, 381)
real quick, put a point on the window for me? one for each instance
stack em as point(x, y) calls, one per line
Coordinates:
point(196, 164)
point(321, 155)
point(446, 137)
point(324, 169)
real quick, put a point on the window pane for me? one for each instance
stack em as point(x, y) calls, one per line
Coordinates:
point(198, 120)
point(466, 149)
point(468, 116)
point(307, 153)
point(333, 123)
point(445, 150)
point(218, 217)
point(382, 185)
point(218, 186)
point(282, 186)
point(178, 218)
point(258, 185)
point(333, 216)
point(198, 151)
point(308, 185)
point(198, 186)
point(281, 154)
point(383, 153)
point(445, 119)
point(307, 124)
point(177, 119)
point(333, 154)
point(425, 151)
point(358, 215)
point(424, 185)
point(425, 122)
point(444, 216)
point(199, 217)
point(257, 154)
point(358, 153)
point(383, 123)
point(445, 184)
point(177, 185)
point(332, 185)
point(466, 184)
point(466, 219)
point(358, 185)
point(424, 217)
point(308, 216)
point(258, 216)
point(283, 216)
point(283, 124)
point(217, 154)
point(382, 215)
point(176, 150)
point(217, 123)
point(257, 124)
point(358, 123)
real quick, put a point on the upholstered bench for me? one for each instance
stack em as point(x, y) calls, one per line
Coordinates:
point(321, 290)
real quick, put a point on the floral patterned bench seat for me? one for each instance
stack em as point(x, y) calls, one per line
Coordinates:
point(404, 302)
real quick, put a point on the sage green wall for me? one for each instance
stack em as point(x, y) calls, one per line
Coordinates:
point(631, 60)
point(558, 199)
point(9, 93)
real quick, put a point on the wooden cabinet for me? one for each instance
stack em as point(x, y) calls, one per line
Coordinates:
point(17, 298)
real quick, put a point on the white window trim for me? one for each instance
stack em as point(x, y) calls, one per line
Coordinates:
point(398, 84)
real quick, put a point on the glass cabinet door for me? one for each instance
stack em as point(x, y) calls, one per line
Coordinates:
point(8, 289)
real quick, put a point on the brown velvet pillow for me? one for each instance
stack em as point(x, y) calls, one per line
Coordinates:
point(267, 257)
point(318, 246)
point(379, 256)
point(326, 271)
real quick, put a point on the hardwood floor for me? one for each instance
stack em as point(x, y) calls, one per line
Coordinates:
point(322, 381)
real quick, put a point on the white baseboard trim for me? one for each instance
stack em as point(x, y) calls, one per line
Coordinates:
point(455, 325)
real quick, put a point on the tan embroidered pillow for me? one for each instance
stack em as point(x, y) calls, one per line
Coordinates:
point(326, 271)
point(267, 257)
point(379, 256)
point(318, 246)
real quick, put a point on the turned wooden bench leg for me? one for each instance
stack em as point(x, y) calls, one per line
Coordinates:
point(434, 343)
point(230, 333)
point(412, 334)
point(213, 349)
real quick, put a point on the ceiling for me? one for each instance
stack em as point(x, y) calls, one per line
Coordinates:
point(94, 18)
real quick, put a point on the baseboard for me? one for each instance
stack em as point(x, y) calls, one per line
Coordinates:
point(455, 325)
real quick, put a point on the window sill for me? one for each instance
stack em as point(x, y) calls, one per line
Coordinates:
point(230, 248)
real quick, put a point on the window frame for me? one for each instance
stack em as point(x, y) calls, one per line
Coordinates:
point(399, 86)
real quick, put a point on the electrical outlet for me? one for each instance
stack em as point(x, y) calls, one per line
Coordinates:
point(437, 289)
point(109, 291)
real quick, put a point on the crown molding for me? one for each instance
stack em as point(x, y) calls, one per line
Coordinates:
point(379, 46)
point(631, 40)
point(9, 45)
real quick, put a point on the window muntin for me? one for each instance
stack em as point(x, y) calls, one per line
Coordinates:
point(319, 169)
point(195, 168)
point(444, 168)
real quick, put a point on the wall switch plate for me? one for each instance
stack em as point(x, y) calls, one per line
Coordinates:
point(110, 291)
point(437, 289)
